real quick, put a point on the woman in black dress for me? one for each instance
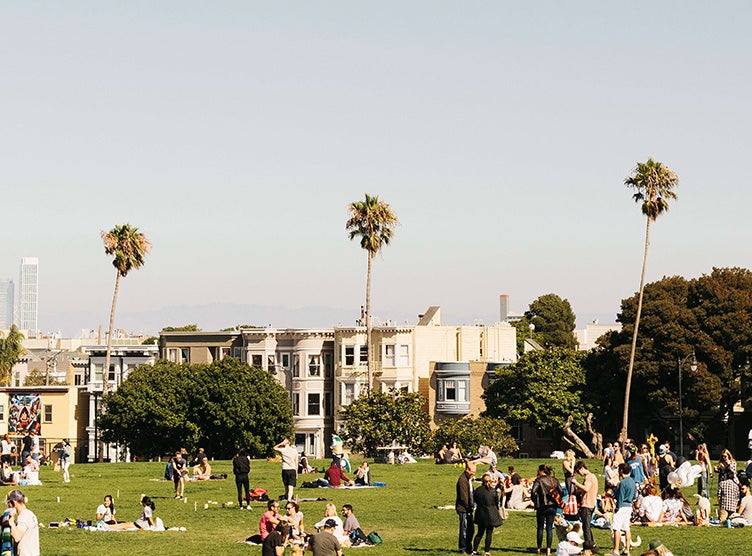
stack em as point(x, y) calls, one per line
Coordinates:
point(486, 513)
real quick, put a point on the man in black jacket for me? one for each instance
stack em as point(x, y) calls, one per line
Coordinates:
point(464, 507)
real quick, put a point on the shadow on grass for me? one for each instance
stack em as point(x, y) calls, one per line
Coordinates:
point(509, 549)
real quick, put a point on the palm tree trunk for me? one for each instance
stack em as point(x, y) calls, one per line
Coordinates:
point(369, 324)
point(628, 388)
point(106, 370)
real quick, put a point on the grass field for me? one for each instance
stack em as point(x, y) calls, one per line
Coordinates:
point(404, 512)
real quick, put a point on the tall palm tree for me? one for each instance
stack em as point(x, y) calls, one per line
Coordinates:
point(654, 185)
point(373, 222)
point(128, 248)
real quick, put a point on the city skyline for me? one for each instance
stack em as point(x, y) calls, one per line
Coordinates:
point(235, 135)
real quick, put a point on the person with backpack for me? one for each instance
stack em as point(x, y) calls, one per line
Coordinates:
point(546, 495)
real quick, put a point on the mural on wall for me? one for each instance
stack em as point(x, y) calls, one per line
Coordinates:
point(25, 413)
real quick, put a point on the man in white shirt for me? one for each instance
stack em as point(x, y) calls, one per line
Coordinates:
point(24, 528)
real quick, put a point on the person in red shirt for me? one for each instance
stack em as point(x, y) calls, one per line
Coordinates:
point(335, 477)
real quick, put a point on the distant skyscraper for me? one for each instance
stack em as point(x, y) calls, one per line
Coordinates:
point(6, 303)
point(28, 295)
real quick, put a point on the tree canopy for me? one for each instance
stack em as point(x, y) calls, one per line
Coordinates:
point(221, 407)
point(543, 388)
point(554, 321)
point(380, 419)
point(184, 328)
point(11, 350)
point(710, 315)
point(471, 433)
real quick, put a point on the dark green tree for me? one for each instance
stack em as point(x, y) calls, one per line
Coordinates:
point(380, 419)
point(470, 433)
point(184, 328)
point(543, 388)
point(220, 407)
point(554, 321)
point(151, 410)
point(11, 351)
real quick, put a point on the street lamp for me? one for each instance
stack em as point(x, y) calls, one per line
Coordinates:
point(693, 367)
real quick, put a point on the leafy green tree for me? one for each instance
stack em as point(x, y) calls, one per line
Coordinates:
point(471, 433)
point(654, 186)
point(221, 407)
point(236, 405)
point(151, 341)
point(543, 388)
point(379, 419)
point(151, 410)
point(184, 328)
point(554, 321)
point(373, 222)
point(710, 316)
point(11, 351)
point(128, 248)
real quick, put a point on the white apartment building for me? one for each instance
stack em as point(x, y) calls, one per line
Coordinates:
point(7, 300)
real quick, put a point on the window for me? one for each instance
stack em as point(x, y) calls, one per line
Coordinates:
point(256, 360)
point(185, 355)
point(516, 432)
point(364, 354)
point(111, 375)
point(349, 356)
point(296, 404)
point(389, 355)
point(314, 404)
point(328, 406)
point(295, 364)
point(173, 355)
point(270, 363)
point(284, 360)
point(348, 393)
point(2, 412)
point(453, 390)
point(219, 353)
point(48, 413)
point(328, 364)
point(314, 365)
point(403, 356)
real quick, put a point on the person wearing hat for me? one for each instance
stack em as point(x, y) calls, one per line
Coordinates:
point(570, 545)
point(324, 543)
point(659, 548)
point(665, 466)
point(24, 528)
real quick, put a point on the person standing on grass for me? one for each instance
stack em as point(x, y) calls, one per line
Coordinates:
point(589, 491)
point(542, 494)
point(626, 493)
point(26, 442)
point(179, 471)
point(487, 515)
point(241, 466)
point(24, 527)
point(289, 455)
point(66, 454)
point(464, 505)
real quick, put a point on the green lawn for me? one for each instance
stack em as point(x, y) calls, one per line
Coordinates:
point(404, 512)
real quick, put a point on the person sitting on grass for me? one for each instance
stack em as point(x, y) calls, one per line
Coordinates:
point(106, 512)
point(331, 513)
point(651, 506)
point(144, 521)
point(270, 519)
point(202, 472)
point(363, 475)
point(351, 522)
point(334, 476)
point(274, 544)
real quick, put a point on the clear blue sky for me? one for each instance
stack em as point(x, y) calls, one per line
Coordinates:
point(234, 134)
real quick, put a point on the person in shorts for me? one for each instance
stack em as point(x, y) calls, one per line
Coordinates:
point(289, 456)
point(626, 493)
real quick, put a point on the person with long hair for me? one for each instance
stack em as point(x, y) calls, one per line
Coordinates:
point(542, 493)
point(486, 513)
point(728, 488)
point(274, 544)
point(703, 458)
point(144, 521)
point(106, 511)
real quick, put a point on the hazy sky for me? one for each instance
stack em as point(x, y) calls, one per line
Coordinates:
point(234, 134)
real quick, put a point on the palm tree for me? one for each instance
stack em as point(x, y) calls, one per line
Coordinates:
point(654, 184)
point(128, 247)
point(373, 222)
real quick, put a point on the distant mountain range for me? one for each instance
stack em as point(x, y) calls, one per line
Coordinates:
point(214, 316)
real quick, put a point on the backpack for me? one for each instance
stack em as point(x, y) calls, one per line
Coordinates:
point(358, 537)
point(168, 471)
point(374, 538)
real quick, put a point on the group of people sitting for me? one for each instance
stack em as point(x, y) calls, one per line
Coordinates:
point(26, 475)
point(335, 476)
point(278, 531)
